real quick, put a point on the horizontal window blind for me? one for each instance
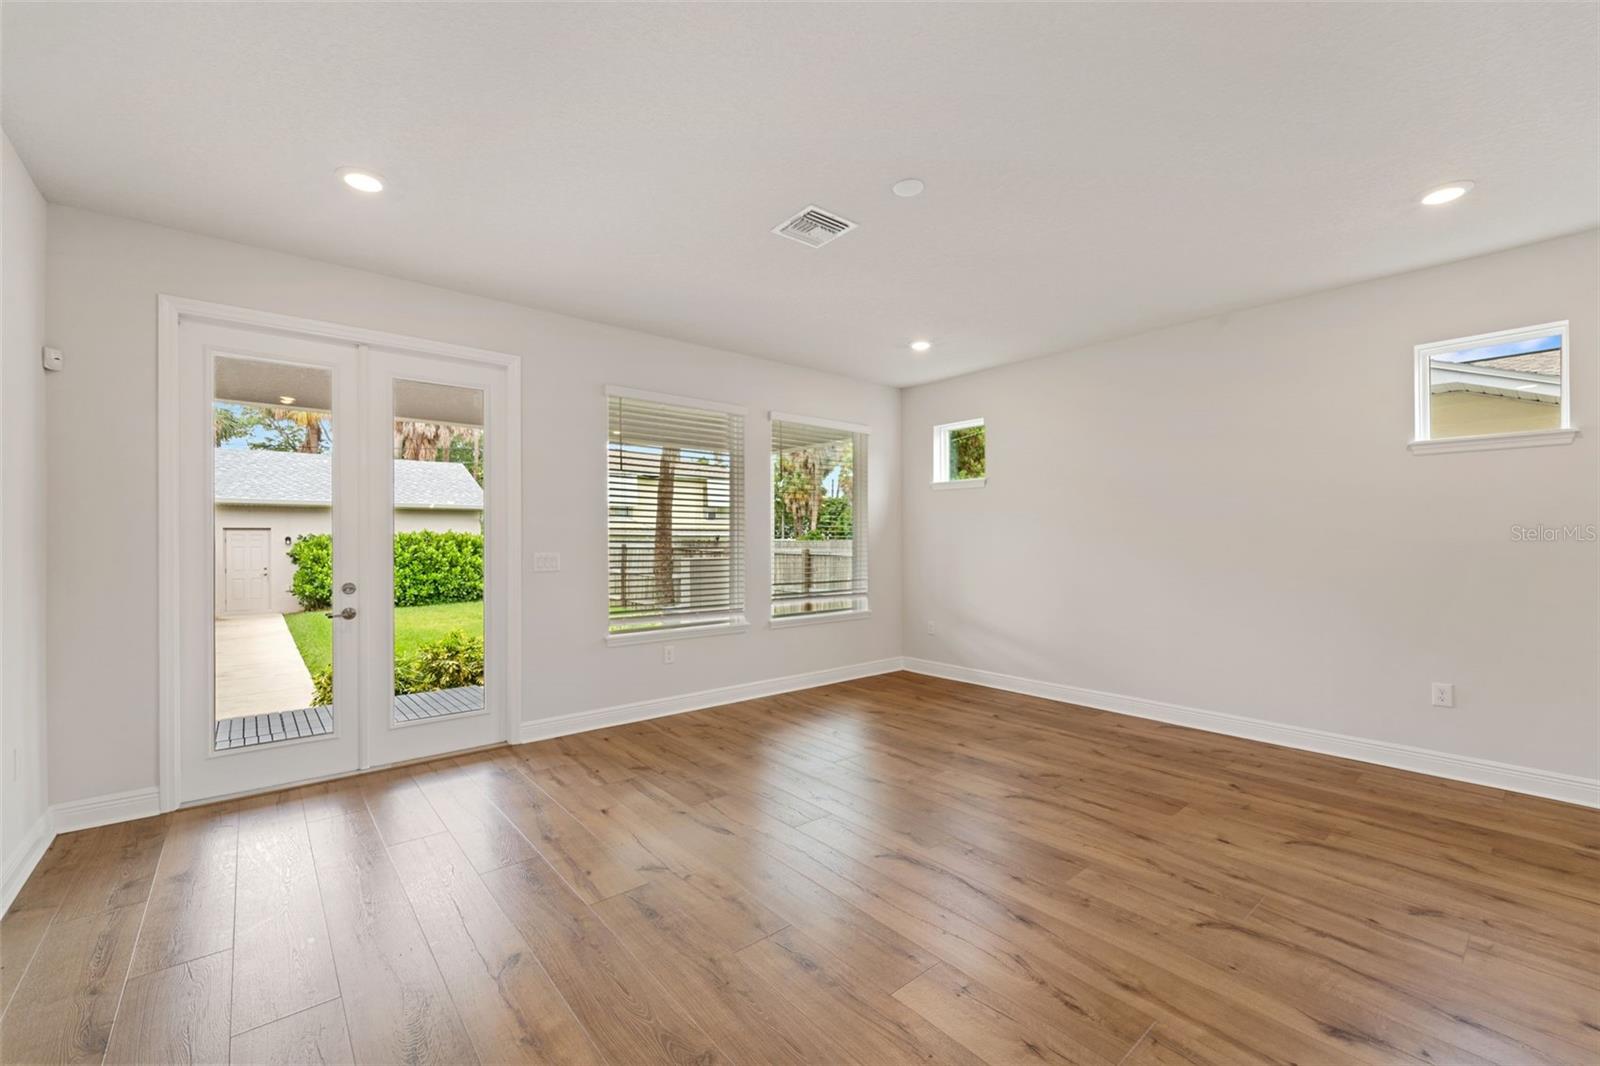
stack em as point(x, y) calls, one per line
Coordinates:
point(819, 542)
point(675, 492)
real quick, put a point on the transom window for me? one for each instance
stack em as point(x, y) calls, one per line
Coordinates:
point(819, 532)
point(675, 527)
point(1505, 389)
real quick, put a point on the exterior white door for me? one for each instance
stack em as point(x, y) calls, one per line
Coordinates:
point(246, 571)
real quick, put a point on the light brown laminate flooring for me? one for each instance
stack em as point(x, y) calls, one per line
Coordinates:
point(891, 870)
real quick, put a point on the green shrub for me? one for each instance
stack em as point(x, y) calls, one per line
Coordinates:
point(434, 567)
point(452, 661)
point(313, 571)
point(429, 567)
point(322, 688)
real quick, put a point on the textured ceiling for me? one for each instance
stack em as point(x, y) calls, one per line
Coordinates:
point(1092, 170)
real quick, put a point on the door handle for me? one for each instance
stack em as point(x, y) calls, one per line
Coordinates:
point(347, 613)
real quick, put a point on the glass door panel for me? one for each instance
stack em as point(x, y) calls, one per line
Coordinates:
point(435, 668)
point(439, 543)
point(266, 512)
point(273, 510)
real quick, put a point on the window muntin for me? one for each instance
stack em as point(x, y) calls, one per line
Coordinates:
point(1506, 384)
point(959, 453)
point(675, 526)
point(819, 531)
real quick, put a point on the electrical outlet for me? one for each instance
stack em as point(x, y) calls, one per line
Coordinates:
point(546, 562)
point(1444, 694)
point(931, 626)
point(669, 653)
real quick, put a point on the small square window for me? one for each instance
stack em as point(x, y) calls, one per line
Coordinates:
point(959, 453)
point(1495, 390)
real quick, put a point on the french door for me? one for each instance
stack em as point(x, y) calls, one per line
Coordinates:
point(370, 492)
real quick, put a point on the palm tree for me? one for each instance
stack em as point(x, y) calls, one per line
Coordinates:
point(662, 569)
point(310, 423)
point(421, 440)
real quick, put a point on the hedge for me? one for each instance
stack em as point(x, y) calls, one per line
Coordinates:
point(429, 567)
point(452, 661)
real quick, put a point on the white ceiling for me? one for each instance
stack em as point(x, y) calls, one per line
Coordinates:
point(1092, 170)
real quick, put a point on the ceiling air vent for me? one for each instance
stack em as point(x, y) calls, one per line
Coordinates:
point(814, 227)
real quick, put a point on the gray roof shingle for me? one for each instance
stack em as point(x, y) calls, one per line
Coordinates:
point(245, 475)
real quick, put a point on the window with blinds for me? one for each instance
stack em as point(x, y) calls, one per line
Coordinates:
point(819, 522)
point(675, 531)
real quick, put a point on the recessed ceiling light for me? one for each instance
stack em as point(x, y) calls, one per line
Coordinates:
point(360, 180)
point(1445, 194)
point(921, 346)
point(908, 187)
point(286, 399)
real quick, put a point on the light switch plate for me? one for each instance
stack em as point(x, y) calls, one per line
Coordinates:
point(546, 562)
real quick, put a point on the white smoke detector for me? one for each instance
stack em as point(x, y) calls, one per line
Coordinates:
point(814, 227)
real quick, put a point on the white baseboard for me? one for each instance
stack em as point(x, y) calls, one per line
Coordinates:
point(69, 818)
point(1569, 788)
point(623, 713)
point(19, 867)
point(103, 810)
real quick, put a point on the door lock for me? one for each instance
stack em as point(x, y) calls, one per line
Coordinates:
point(348, 588)
point(347, 613)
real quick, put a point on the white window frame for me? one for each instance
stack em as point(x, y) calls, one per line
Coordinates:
point(941, 456)
point(735, 621)
point(1423, 442)
point(858, 522)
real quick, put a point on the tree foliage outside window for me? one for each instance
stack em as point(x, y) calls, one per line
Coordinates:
point(811, 492)
point(271, 429)
point(966, 453)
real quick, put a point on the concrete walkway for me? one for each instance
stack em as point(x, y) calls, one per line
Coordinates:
point(259, 669)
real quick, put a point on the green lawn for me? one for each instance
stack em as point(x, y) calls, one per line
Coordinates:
point(313, 631)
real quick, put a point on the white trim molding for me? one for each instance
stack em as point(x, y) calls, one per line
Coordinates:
point(104, 810)
point(821, 423)
point(19, 867)
point(69, 818)
point(623, 392)
point(1568, 788)
point(604, 717)
point(1532, 438)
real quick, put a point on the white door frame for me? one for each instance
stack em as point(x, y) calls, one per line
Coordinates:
point(171, 310)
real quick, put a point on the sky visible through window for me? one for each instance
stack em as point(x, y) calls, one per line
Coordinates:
point(1499, 351)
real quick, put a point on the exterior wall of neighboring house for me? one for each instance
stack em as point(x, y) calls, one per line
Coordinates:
point(294, 522)
point(1464, 413)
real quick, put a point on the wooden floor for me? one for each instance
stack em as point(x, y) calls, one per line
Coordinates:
point(893, 870)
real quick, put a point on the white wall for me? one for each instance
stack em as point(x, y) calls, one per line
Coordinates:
point(104, 275)
point(22, 510)
point(1224, 515)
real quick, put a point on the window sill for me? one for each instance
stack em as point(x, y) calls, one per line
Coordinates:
point(964, 483)
point(660, 636)
point(790, 621)
point(1534, 438)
